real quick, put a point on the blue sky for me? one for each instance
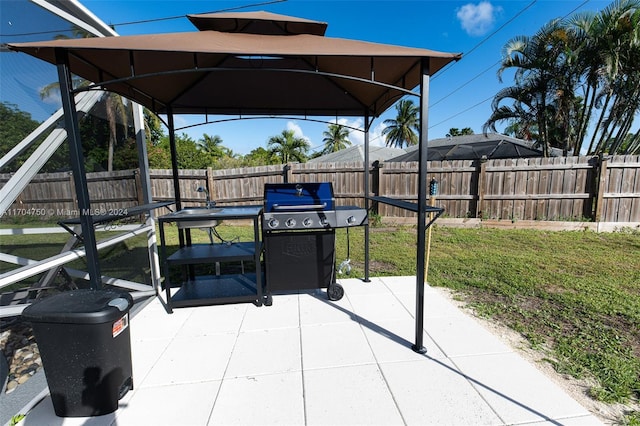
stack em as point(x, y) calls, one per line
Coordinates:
point(460, 95)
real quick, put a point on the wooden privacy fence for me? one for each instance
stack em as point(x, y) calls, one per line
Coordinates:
point(53, 194)
point(559, 188)
point(564, 188)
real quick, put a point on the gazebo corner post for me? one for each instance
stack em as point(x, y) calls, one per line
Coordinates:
point(422, 206)
point(174, 168)
point(367, 124)
point(76, 157)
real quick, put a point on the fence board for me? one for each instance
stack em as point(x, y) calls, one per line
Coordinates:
point(627, 186)
point(582, 209)
point(543, 188)
point(520, 189)
point(614, 185)
point(568, 187)
point(497, 185)
point(532, 187)
point(555, 187)
point(508, 187)
point(634, 211)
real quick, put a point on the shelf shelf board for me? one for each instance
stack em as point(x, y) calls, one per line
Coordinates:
point(219, 252)
point(216, 289)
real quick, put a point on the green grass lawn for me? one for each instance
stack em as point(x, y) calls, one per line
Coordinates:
point(574, 296)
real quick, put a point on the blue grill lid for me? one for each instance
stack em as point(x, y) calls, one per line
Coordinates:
point(298, 196)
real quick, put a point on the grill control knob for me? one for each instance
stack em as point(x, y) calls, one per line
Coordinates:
point(307, 222)
point(351, 220)
point(273, 223)
point(324, 221)
point(290, 223)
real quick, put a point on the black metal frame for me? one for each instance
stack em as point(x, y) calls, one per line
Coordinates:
point(86, 220)
point(198, 294)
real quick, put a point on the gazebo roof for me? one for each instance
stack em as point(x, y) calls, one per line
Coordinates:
point(253, 63)
point(257, 23)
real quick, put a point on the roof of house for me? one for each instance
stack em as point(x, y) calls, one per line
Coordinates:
point(356, 153)
point(474, 147)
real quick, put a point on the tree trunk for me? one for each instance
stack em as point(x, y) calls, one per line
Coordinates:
point(112, 132)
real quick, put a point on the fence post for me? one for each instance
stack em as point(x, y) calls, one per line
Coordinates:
point(286, 173)
point(375, 184)
point(72, 188)
point(482, 176)
point(139, 193)
point(210, 187)
point(138, 183)
point(602, 180)
point(19, 201)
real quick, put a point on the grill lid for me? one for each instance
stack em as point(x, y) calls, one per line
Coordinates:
point(286, 197)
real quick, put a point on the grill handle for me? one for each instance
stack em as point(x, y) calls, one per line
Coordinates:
point(300, 207)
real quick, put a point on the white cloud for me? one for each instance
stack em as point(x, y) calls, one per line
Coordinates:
point(478, 19)
point(357, 137)
point(53, 98)
point(375, 135)
point(297, 130)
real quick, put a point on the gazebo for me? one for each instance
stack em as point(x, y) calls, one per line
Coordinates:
point(241, 65)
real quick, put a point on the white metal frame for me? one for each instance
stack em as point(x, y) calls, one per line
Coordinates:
point(78, 15)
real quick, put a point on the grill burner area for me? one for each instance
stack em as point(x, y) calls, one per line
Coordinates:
point(295, 206)
point(299, 223)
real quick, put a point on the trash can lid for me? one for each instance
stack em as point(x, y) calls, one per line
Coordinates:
point(80, 307)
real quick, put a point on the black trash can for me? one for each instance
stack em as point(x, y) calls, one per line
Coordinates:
point(85, 344)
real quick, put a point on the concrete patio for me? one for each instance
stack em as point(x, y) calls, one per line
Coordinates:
point(308, 361)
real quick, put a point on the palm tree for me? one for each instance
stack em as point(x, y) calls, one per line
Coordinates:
point(454, 131)
point(115, 107)
point(336, 137)
point(212, 145)
point(521, 130)
point(568, 71)
point(116, 110)
point(402, 130)
point(288, 147)
point(545, 85)
point(610, 58)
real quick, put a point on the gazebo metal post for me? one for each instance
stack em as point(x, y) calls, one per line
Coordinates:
point(422, 205)
point(366, 195)
point(174, 167)
point(77, 166)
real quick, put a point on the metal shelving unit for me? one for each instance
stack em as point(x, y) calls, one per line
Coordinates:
point(207, 289)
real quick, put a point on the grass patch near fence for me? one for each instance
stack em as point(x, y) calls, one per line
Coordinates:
point(575, 296)
point(127, 260)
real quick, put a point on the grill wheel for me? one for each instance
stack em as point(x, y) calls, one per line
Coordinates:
point(335, 292)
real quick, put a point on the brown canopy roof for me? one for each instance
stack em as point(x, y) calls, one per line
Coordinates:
point(222, 72)
point(257, 23)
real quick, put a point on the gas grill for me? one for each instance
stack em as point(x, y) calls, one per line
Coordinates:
point(295, 206)
point(299, 223)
